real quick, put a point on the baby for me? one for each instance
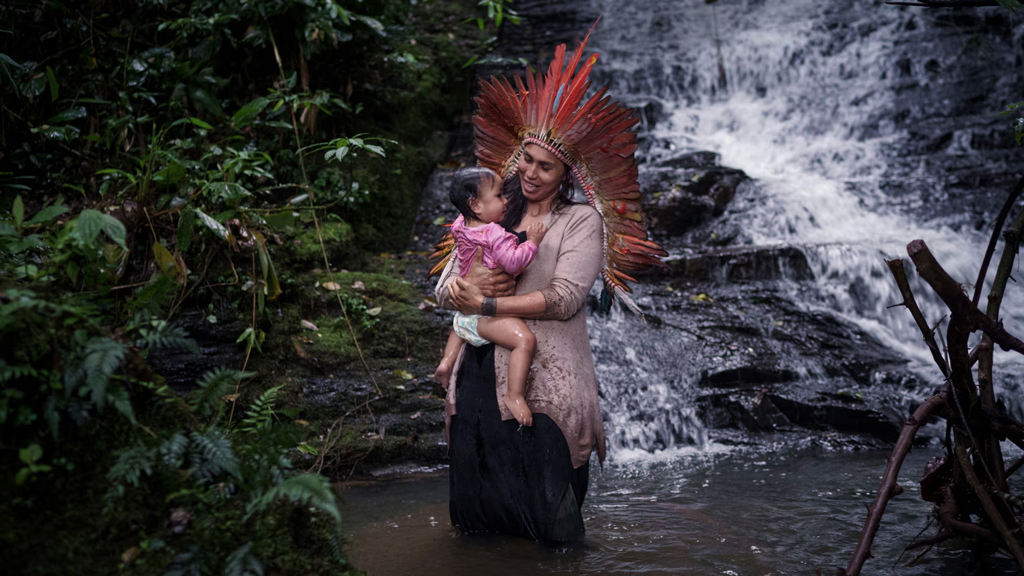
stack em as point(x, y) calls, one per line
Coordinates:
point(477, 193)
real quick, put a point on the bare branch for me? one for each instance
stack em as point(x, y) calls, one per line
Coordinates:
point(896, 267)
point(951, 293)
point(996, 230)
point(887, 487)
point(949, 518)
point(990, 508)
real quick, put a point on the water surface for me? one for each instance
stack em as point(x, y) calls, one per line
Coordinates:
point(785, 510)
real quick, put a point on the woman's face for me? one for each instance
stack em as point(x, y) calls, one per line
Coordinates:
point(540, 173)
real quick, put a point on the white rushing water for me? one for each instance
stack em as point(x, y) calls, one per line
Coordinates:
point(802, 96)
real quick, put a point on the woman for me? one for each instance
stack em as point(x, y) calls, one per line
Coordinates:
point(532, 480)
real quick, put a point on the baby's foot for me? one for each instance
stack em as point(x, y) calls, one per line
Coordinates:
point(517, 405)
point(442, 374)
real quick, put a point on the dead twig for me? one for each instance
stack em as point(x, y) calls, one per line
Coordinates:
point(949, 515)
point(950, 292)
point(887, 487)
point(989, 506)
point(896, 267)
point(996, 230)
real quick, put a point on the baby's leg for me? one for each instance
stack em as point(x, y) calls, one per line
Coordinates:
point(451, 352)
point(513, 334)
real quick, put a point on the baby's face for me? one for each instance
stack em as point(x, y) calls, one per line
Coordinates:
point(489, 204)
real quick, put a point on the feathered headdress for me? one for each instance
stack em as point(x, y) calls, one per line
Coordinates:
point(596, 139)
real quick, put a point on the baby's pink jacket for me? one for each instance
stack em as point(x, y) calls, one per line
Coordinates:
point(501, 248)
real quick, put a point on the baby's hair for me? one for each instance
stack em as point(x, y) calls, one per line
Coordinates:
point(465, 186)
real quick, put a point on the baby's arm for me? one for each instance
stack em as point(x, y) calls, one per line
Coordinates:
point(512, 256)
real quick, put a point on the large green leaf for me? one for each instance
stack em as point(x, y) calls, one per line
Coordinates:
point(90, 223)
point(46, 214)
point(216, 227)
point(273, 285)
point(113, 228)
point(65, 133)
point(186, 228)
point(19, 211)
point(69, 115)
point(247, 114)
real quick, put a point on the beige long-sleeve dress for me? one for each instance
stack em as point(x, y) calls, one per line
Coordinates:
point(562, 382)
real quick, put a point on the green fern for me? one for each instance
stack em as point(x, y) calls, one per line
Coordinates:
point(161, 334)
point(243, 562)
point(213, 386)
point(169, 396)
point(306, 489)
point(260, 414)
point(154, 298)
point(173, 449)
point(15, 371)
point(132, 464)
point(103, 357)
point(213, 455)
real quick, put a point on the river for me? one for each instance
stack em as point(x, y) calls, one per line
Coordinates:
point(781, 508)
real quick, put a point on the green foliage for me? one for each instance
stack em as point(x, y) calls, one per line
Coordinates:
point(152, 161)
point(1018, 123)
point(67, 379)
point(497, 13)
point(260, 416)
point(306, 489)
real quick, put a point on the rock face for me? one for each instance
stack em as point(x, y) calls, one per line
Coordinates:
point(686, 191)
point(217, 346)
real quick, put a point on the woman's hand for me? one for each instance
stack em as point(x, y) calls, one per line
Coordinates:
point(491, 282)
point(465, 297)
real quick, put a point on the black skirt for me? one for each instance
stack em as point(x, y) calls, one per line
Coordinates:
point(507, 478)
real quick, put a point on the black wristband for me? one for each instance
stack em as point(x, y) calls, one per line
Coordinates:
point(489, 307)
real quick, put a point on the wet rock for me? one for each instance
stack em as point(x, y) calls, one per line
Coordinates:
point(794, 407)
point(753, 413)
point(745, 376)
point(217, 344)
point(883, 424)
point(685, 191)
point(746, 264)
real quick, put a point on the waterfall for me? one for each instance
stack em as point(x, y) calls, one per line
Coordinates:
point(855, 123)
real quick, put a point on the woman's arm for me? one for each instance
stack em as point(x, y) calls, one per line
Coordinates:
point(468, 299)
point(580, 259)
point(489, 281)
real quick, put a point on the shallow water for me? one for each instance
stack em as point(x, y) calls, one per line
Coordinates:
point(717, 511)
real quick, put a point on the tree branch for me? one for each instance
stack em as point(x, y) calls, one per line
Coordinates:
point(948, 517)
point(887, 487)
point(896, 267)
point(990, 508)
point(951, 293)
point(996, 230)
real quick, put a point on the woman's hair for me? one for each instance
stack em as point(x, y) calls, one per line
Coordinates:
point(516, 207)
point(465, 186)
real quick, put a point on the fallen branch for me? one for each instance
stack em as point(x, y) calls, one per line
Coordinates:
point(950, 292)
point(887, 487)
point(995, 298)
point(996, 230)
point(949, 517)
point(990, 508)
point(896, 267)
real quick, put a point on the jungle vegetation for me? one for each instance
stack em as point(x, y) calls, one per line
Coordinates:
point(162, 155)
